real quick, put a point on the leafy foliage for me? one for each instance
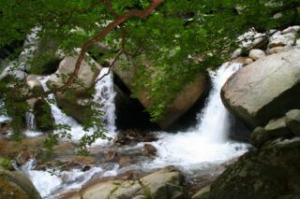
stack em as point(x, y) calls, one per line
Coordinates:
point(167, 50)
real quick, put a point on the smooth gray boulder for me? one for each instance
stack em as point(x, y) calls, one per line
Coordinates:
point(166, 183)
point(265, 89)
point(87, 74)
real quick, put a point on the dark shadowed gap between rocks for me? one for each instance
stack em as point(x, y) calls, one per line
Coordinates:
point(132, 115)
point(129, 111)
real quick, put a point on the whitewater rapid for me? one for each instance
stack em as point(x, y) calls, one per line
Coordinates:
point(199, 148)
point(208, 142)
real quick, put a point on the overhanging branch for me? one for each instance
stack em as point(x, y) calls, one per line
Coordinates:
point(102, 34)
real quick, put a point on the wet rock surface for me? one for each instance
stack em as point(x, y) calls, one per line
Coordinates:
point(270, 172)
point(164, 184)
point(14, 185)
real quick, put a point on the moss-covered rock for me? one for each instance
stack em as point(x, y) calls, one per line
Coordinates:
point(43, 115)
point(5, 163)
point(270, 172)
point(14, 185)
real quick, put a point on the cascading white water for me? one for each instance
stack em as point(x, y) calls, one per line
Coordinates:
point(213, 122)
point(30, 120)
point(17, 67)
point(207, 143)
point(104, 97)
point(51, 183)
point(48, 183)
point(31, 130)
point(3, 116)
point(198, 149)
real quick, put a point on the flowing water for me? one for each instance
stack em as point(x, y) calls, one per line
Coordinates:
point(202, 146)
point(3, 116)
point(18, 66)
point(30, 120)
point(208, 142)
point(104, 96)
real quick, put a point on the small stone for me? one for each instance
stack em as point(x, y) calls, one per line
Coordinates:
point(149, 150)
point(256, 54)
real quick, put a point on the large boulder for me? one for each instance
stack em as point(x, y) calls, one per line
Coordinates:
point(87, 74)
point(270, 172)
point(164, 184)
point(265, 89)
point(185, 99)
point(75, 101)
point(14, 185)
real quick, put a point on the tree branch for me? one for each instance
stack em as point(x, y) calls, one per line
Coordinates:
point(102, 34)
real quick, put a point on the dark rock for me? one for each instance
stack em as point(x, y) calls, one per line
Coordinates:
point(203, 193)
point(14, 185)
point(273, 130)
point(293, 121)
point(43, 115)
point(184, 100)
point(137, 117)
point(149, 150)
point(270, 172)
point(45, 58)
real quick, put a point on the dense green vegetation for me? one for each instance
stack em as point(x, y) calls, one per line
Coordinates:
point(180, 39)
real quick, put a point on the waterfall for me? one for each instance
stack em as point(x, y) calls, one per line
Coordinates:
point(213, 121)
point(208, 142)
point(18, 66)
point(52, 182)
point(30, 120)
point(3, 114)
point(198, 149)
point(104, 97)
point(60, 118)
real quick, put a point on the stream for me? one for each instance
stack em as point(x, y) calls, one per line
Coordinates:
point(197, 150)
